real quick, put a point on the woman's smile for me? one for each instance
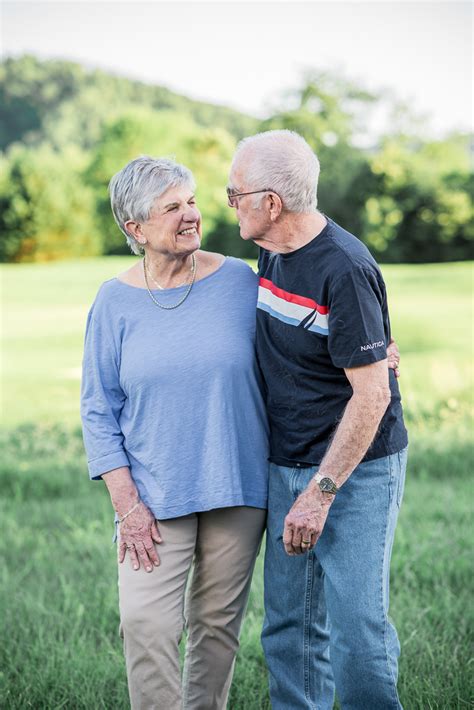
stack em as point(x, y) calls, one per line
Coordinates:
point(187, 232)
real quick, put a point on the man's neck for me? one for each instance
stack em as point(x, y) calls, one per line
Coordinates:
point(293, 232)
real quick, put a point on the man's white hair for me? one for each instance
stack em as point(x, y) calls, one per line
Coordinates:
point(134, 189)
point(284, 162)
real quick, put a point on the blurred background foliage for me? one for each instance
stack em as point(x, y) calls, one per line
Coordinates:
point(65, 130)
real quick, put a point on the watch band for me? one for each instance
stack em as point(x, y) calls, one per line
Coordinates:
point(326, 484)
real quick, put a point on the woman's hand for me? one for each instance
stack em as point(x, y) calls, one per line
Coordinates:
point(138, 532)
point(138, 529)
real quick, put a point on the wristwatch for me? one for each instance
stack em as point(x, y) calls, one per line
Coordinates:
point(326, 484)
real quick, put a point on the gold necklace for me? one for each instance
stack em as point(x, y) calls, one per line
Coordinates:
point(188, 290)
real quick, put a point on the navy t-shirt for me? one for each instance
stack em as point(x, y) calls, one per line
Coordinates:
point(321, 308)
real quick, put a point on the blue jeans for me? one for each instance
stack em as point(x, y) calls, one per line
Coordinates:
point(326, 612)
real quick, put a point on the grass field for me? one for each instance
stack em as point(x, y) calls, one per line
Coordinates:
point(59, 646)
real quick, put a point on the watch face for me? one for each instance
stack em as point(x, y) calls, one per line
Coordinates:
point(327, 485)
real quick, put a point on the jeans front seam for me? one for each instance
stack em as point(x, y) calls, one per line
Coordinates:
point(307, 627)
point(384, 614)
point(292, 483)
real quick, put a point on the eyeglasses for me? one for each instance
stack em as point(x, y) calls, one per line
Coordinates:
point(232, 195)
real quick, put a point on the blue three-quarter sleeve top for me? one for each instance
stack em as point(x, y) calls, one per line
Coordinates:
point(176, 394)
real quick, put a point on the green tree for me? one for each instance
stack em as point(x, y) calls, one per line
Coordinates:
point(420, 204)
point(30, 90)
point(46, 209)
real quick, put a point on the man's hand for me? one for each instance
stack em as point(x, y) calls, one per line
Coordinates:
point(305, 521)
point(137, 533)
point(393, 357)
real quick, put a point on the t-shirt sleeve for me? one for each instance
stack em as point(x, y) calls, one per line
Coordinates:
point(356, 324)
point(102, 398)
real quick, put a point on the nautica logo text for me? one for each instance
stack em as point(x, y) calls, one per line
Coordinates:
point(371, 346)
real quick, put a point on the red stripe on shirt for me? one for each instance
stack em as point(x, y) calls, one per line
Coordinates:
point(293, 297)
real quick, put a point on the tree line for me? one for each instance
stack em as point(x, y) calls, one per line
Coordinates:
point(65, 130)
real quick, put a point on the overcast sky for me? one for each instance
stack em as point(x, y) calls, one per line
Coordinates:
point(245, 55)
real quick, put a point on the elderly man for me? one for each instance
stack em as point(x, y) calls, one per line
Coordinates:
point(338, 441)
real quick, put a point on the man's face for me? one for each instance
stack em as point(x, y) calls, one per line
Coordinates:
point(254, 222)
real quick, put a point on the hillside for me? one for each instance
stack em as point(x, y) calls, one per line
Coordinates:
point(44, 99)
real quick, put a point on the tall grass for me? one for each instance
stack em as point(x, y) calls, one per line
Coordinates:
point(59, 644)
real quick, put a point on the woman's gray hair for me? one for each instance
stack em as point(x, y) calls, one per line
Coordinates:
point(284, 162)
point(134, 189)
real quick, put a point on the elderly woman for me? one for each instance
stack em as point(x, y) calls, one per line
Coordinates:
point(174, 424)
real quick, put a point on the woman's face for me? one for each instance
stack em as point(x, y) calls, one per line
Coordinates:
point(174, 225)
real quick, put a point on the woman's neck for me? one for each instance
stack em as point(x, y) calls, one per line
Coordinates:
point(168, 271)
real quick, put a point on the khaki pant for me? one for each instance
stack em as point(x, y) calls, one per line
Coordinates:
point(223, 544)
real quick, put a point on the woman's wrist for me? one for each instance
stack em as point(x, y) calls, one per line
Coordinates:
point(122, 490)
point(129, 512)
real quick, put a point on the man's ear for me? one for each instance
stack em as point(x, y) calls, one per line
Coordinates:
point(276, 206)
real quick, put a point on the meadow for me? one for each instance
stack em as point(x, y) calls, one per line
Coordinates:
point(59, 643)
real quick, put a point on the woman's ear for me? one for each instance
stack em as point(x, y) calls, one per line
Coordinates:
point(135, 230)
